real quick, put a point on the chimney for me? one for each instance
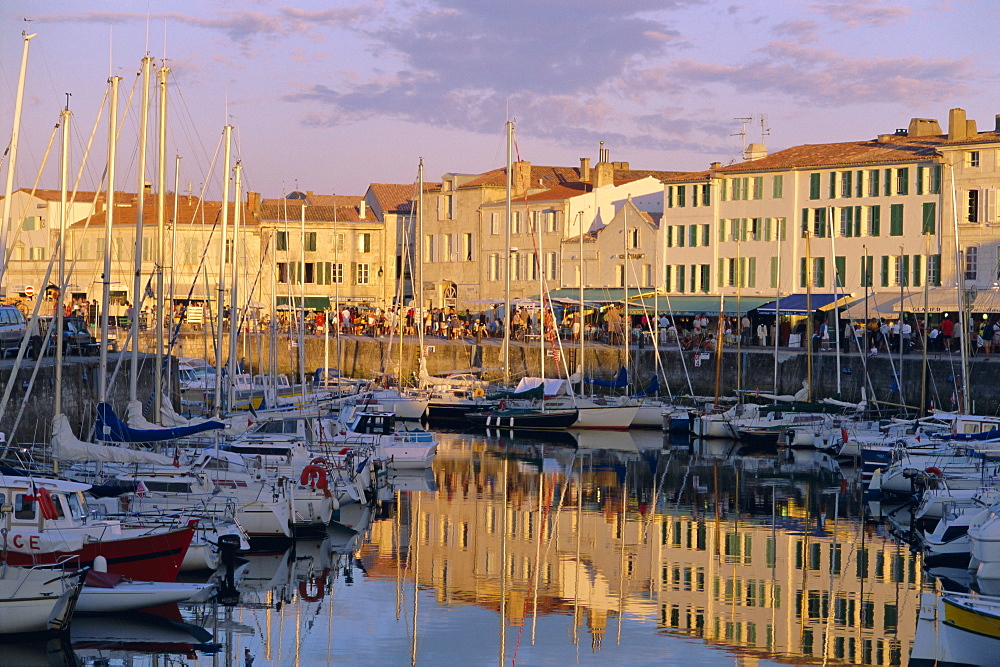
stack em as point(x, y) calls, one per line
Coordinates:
point(715, 165)
point(361, 209)
point(253, 202)
point(521, 178)
point(585, 164)
point(605, 174)
point(996, 123)
point(923, 127)
point(958, 128)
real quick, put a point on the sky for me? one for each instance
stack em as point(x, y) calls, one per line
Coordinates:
point(331, 96)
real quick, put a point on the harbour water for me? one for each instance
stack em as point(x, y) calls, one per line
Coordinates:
point(607, 548)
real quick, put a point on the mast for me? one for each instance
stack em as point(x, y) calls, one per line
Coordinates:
point(12, 160)
point(173, 253)
point(506, 254)
point(627, 323)
point(420, 264)
point(302, 298)
point(960, 286)
point(140, 209)
point(221, 298)
point(63, 215)
point(580, 365)
point(809, 320)
point(233, 310)
point(109, 217)
point(836, 294)
point(161, 215)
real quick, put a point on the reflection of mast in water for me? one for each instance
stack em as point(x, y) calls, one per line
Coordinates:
point(621, 561)
point(503, 565)
point(576, 585)
point(415, 545)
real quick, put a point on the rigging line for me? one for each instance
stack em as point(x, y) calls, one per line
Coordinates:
point(9, 251)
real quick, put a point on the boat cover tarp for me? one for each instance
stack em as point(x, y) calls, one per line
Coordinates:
point(550, 386)
point(652, 389)
point(535, 393)
point(67, 448)
point(111, 429)
point(618, 381)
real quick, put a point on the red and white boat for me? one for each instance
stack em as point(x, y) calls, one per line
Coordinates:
point(47, 521)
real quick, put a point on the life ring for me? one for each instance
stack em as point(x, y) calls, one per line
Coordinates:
point(478, 392)
point(843, 433)
point(320, 461)
point(314, 476)
point(934, 470)
point(314, 589)
point(47, 504)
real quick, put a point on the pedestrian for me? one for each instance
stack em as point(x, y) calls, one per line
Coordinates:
point(947, 333)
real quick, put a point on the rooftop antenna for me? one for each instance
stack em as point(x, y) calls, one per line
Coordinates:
point(765, 129)
point(743, 134)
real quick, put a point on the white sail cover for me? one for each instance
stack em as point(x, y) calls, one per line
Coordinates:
point(551, 386)
point(135, 418)
point(66, 447)
point(167, 414)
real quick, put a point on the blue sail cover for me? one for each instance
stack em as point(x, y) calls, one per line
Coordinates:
point(618, 381)
point(652, 389)
point(112, 429)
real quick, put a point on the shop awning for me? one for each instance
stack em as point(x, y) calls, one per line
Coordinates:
point(795, 304)
point(312, 302)
point(987, 301)
point(938, 300)
point(709, 305)
point(873, 305)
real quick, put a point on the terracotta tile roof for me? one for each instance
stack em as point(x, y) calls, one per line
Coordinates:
point(550, 177)
point(395, 198)
point(892, 149)
point(694, 176)
point(82, 196)
point(313, 199)
point(628, 175)
point(560, 192)
point(189, 212)
point(653, 222)
point(293, 213)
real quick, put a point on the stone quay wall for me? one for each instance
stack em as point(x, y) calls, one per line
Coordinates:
point(750, 369)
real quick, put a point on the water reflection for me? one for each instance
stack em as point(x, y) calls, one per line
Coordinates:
point(612, 547)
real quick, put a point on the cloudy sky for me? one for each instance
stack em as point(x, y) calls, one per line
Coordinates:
point(330, 96)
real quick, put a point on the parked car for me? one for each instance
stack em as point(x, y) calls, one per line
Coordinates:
point(77, 339)
point(12, 328)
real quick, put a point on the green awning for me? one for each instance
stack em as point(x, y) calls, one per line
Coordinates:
point(696, 305)
point(312, 302)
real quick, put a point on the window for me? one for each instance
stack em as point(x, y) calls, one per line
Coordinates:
point(874, 221)
point(902, 270)
point(704, 234)
point(310, 241)
point(448, 248)
point(532, 266)
point(887, 183)
point(551, 221)
point(833, 185)
point(681, 196)
point(777, 186)
point(36, 253)
point(839, 270)
point(364, 242)
point(493, 268)
point(467, 247)
point(706, 195)
point(229, 250)
point(896, 220)
point(281, 241)
point(758, 187)
point(972, 208)
point(813, 186)
point(428, 247)
point(903, 181)
point(515, 222)
point(446, 207)
point(934, 270)
point(282, 272)
point(929, 218)
point(846, 184)
point(338, 242)
point(971, 262)
point(515, 266)
point(670, 196)
point(23, 508)
point(935, 180)
point(310, 271)
point(328, 273)
point(693, 235)
point(972, 158)
point(873, 189)
point(633, 238)
point(363, 273)
point(620, 275)
point(494, 224)
point(859, 183)
point(551, 265)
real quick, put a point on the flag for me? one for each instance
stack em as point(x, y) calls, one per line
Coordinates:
point(141, 490)
point(177, 458)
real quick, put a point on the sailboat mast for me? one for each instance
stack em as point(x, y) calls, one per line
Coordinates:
point(233, 310)
point(161, 216)
point(173, 253)
point(506, 254)
point(580, 317)
point(302, 298)
point(12, 159)
point(627, 322)
point(60, 309)
point(140, 209)
point(420, 264)
point(960, 286)
point(221, 297)
point(109, 217)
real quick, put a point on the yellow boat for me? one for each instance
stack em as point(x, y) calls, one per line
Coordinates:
point(978, 615)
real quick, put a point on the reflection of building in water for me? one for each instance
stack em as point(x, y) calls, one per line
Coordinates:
point(797, 588)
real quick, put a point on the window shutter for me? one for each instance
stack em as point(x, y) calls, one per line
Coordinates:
point(936, 180)
point(929, 218)
point(821, 223)
point(721, 276)
point(814, 186)
point(885, 271)
point(833, 185)
point(840, 270)
point(875, 223)
point(904, 270)
point(887, 185)
point(354, 273)
point(857, 221)
point(859, 186)
point(751, 272)
point(774, 272)
point(680, 278)
point(820, 276)
point(918, 271)
point(920, 181)
point(705, 235)
point(896, 220)
point(767, 229)
point(873, 188)
point(903, 181)
point(805, 222)
point(802, 272)
point(706, 195)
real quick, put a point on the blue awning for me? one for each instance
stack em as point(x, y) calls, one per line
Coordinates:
point(795, 304)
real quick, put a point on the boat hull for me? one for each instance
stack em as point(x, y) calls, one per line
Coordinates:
point(525, 420)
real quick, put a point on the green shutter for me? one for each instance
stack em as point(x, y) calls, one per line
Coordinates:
point(875, 223)
point(918, 272)
point(777, 186)
point(681, 196)
point(751, 272)
point(706, 195)
point(680, 278)
point(802, 272)
point(935, 180)
point(813, 186)
point(896, 220)
point(848, 184)
point(821, 223)
point(767, 229)
point(722, 265)
point(820, 272)
point(705, 234)
point(722, 231)
point(693, 235)
point(885, 271)
point(774, 272)
point(859, 185)
point(670, 196)
point(848, 213)
point(805, 222)
point(920, 181)
point(833, 185)
point(903, 181)
point(734, 229)
point(680, 236)
point(865, 278)
point(929, 216)
point(840, 270)
point(758, 187)
point(857, 221)
point(781, 228)
point(874, 189)
point(887, 185)
point(904, 271)
point(937, 272)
